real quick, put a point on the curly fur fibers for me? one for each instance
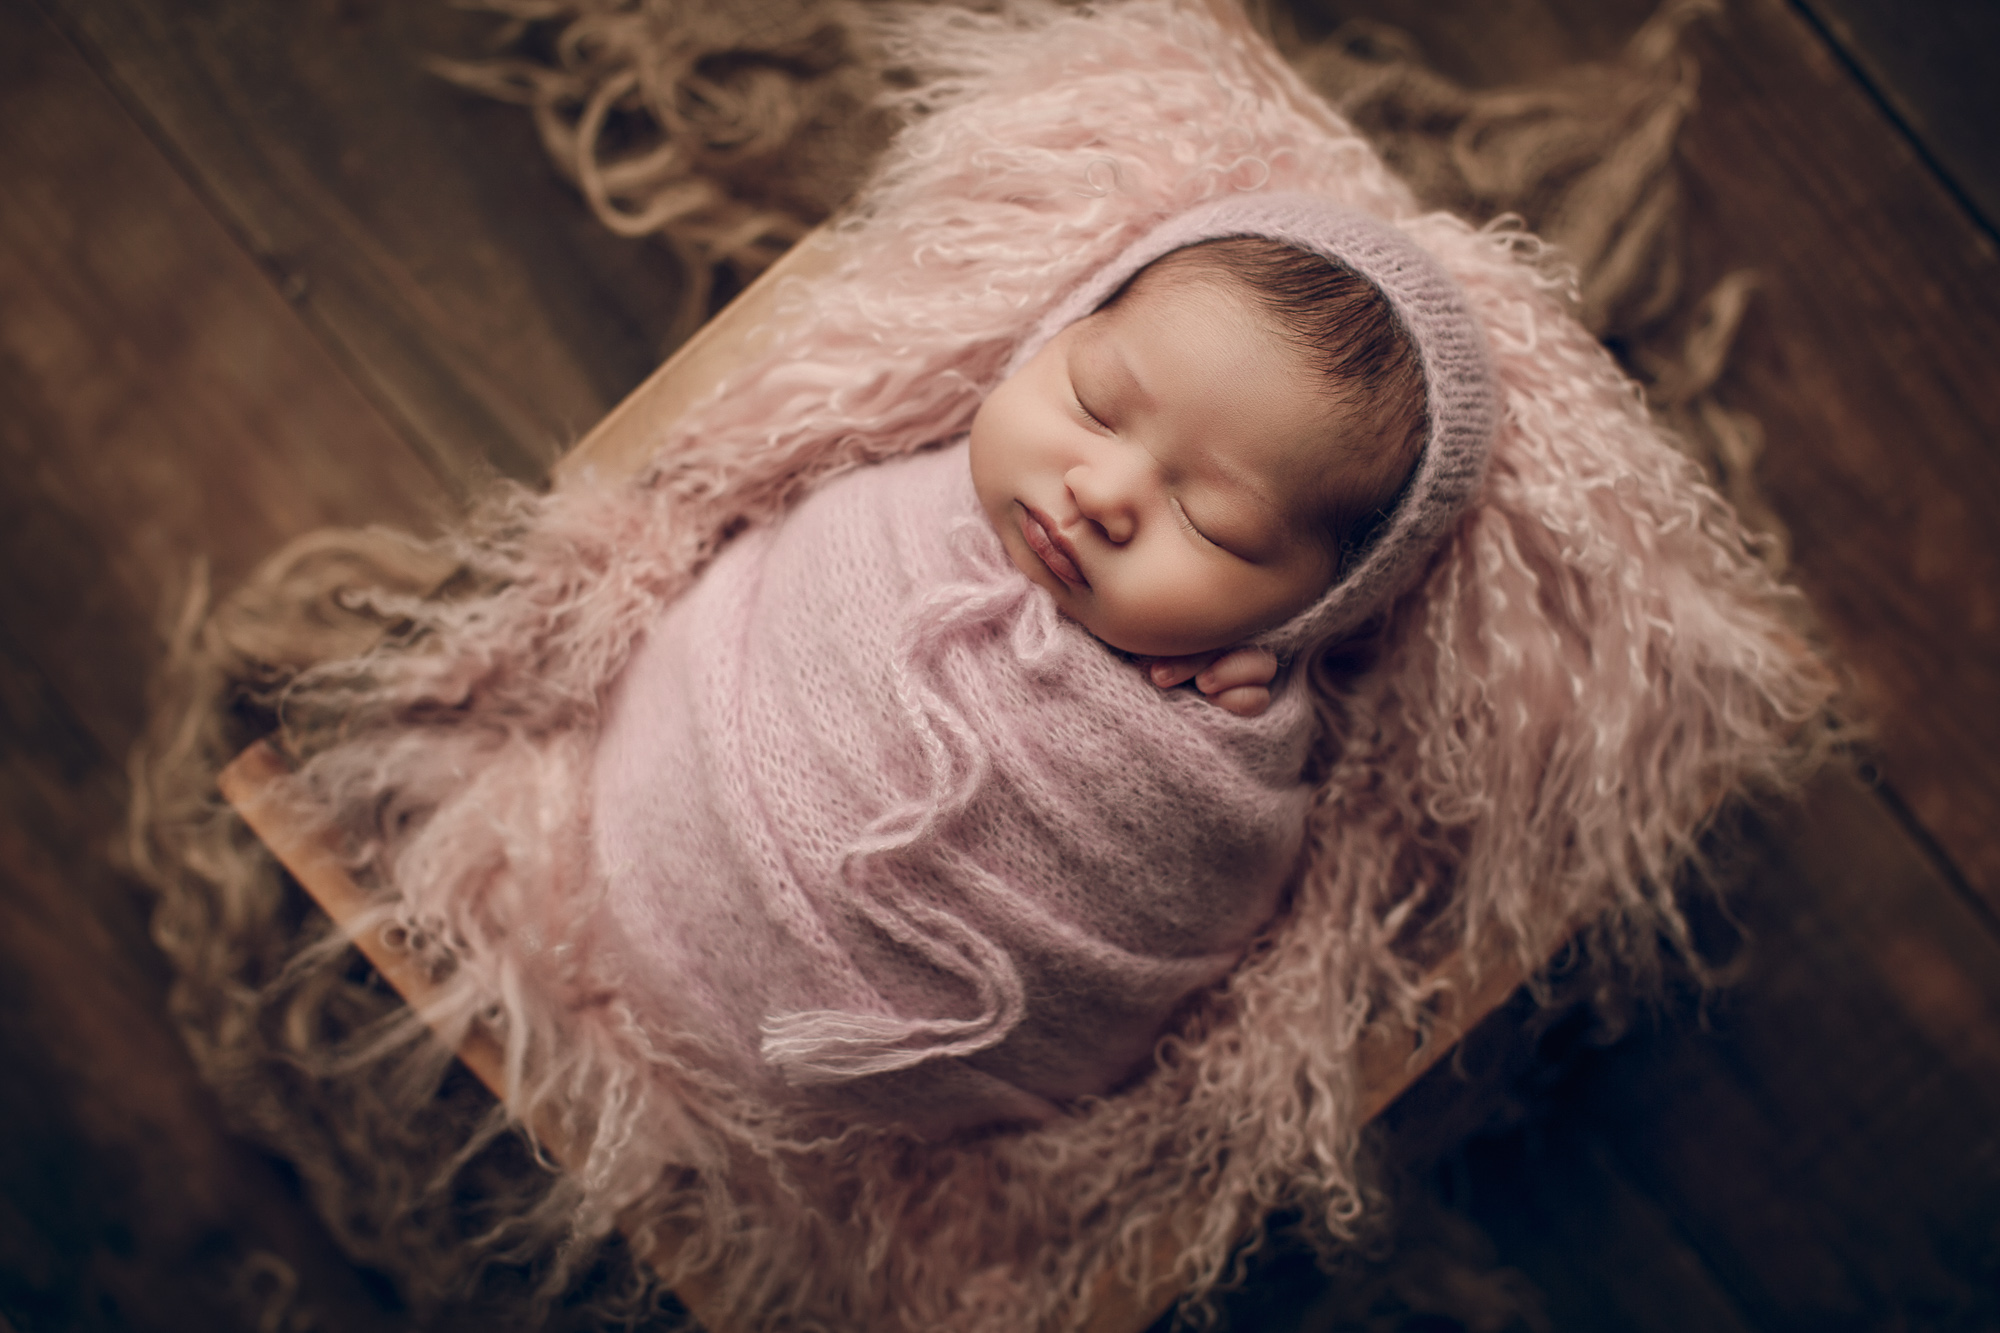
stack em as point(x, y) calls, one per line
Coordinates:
point(725, 130)
point(1592, 659)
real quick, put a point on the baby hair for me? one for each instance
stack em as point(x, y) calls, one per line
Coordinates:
point(1364, 359)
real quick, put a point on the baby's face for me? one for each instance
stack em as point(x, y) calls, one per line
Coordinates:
point(1153, 468)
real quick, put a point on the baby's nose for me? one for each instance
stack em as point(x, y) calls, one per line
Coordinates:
point(1107, 496)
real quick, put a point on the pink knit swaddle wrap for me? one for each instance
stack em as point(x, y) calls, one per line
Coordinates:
point(869, 808)
point(867, 804)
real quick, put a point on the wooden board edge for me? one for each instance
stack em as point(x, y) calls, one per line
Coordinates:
point(252, 785)
point(618, 446)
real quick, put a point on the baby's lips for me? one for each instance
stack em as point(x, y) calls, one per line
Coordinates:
point(1050, 549)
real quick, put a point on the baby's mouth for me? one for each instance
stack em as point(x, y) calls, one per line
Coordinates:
point(1050, 548)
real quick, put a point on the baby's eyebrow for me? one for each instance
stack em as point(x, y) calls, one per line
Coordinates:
point(1242, 478)
point(1107, 362)
point(1249, 485)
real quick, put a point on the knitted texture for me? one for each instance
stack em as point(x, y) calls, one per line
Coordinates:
point(1547, 719)
point(1460, 402)
point(866, 784)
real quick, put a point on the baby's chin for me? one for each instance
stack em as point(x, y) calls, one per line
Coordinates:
point(1143, 642)
point(1150, 644)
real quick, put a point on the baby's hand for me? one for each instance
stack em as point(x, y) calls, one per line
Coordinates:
point(1239, 680)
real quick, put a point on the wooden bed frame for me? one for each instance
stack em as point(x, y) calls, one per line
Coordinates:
point(618, 446)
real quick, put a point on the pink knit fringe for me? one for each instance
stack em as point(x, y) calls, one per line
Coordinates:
point(1591, 663)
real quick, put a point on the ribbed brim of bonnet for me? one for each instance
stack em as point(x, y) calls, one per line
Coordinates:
point(1462, 401)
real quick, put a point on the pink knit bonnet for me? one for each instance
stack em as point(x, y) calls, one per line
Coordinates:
point(1462, 403)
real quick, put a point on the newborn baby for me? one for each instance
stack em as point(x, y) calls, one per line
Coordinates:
point(1184, 468)
point(896, 810)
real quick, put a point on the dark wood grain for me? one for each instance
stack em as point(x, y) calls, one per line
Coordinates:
point(1826, 1142)
point(125, 1204)
point(419, 229)
point(1815, 1146)
point(1932, 67)
point(160, 403)
point(1498, 43)
point(1870, 356)
point(163, 402)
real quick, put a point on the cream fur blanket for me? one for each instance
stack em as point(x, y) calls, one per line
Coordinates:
point(1535, 737)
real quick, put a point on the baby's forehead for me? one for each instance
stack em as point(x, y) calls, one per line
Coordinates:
point(1159, 290)
point(1218, 311)
point(1294, 465)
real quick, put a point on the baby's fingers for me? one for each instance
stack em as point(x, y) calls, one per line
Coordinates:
point(1245, 666)
point(1167, 672)
point(1242, 700)
point(1236, 681)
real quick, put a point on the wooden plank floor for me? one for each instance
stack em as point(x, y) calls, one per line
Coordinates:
point(163, 402)
point(259, 272)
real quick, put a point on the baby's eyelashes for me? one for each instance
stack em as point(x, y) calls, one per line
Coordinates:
point(1188, 524)
point(1091, 418)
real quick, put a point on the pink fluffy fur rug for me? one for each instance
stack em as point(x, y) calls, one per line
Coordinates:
point(1534, 738)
